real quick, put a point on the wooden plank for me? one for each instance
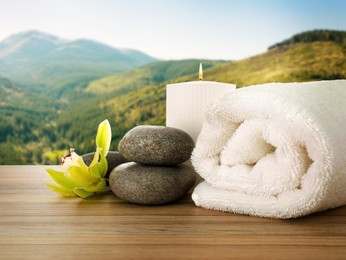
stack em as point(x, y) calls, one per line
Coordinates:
point(170, 252)
point(36, 223)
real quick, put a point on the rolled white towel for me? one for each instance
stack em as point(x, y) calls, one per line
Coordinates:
point(274, 150)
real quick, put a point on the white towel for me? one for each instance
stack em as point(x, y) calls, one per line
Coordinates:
point(274, 150)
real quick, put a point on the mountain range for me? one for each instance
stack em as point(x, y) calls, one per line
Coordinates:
point(35, 57)
point(43, 114)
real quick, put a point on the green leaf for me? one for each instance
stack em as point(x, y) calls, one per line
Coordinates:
point(60, 190)
point(104, 136)
point(60, 179)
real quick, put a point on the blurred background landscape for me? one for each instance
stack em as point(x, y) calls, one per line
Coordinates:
point(54, 91)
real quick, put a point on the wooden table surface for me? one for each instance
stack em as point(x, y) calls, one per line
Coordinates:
point(36, 223)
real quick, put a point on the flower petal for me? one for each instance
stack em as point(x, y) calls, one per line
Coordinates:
point(81, 177)
point(80, 192)
point(96, 168)
point(96, 157)
point(104, 163)
point(60, 190)
point(60, 179)
point(76, 178)
point(104, 136)
point(78, 161)
point(99, 187)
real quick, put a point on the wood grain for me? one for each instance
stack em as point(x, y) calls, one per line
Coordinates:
point(36, 223)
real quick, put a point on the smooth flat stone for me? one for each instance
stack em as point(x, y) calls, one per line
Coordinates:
point(113, 159)
point(151, 185)
point(156, 145)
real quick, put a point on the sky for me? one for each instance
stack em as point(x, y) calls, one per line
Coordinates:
point(175, 29)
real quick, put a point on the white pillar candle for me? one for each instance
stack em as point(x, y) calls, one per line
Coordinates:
point(186, 103)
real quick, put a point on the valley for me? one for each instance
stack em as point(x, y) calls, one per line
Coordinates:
point(48, 107)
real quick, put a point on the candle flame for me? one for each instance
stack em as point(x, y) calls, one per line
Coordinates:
point(200, 71)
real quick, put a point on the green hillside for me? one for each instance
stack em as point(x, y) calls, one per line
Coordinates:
point(295, 62)
point(298, 62)
point(41, 132)
point(292, 63)
point(8, 91)
point(153, 73)
point(127, 99)
point(314, 36)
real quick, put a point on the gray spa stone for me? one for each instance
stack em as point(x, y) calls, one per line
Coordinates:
point(156, 145)
point(113, 159)
point(151, 185)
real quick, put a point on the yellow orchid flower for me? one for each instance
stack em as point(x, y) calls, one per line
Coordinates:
point(76, 178)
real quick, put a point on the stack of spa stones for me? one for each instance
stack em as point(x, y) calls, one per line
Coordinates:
point(155, 174)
